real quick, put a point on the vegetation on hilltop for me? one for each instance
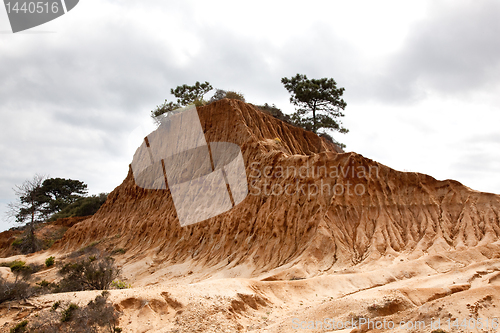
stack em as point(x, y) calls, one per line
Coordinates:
point(319, 103)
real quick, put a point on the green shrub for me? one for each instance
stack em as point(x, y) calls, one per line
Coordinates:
point(82, 207)
point(21, 270)
point(17, 242)
point(68, 313)
point(17, 266)
point(44, 283)
point(49, 261)
point(119, 284)
point(55, 306)
point(19, 328)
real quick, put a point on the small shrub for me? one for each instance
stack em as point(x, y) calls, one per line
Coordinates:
point(17, 265)
point(118, 251)
point(47, 243)
point(221, 94)
point(88, 274)
point(164, 108)
point(19, 328)
point(235, 95)
point(328, 137)
point(68, 313)
point(12, 291)
point(276, 113)
point(17, 242)
point(99, 315)
point(23, 271)
point(102, 313)
point(119, 284)
point(49, 261)
point(55, 306)
point(44, 283)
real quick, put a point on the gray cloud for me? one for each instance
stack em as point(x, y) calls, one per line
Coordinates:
point(69, 100)
point(454, 50)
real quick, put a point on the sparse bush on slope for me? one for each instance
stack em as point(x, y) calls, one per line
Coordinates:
point(93, 273)
point(98, 315)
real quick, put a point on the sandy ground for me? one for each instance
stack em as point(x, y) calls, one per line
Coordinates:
point(453, 291)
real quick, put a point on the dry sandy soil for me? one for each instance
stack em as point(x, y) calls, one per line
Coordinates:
point(408, 253)
point(459, 285)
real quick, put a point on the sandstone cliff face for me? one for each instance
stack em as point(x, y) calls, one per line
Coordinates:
point(309, 205)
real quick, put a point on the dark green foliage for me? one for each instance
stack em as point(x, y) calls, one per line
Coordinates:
point(190, 94)
point(82, 207)
point(23, 271)
point(185, 95)
point(19, 328)
point(60, 193)
point(88, 274)
point(41, 197)
point(44, 284)
point(17, 266)
point(50, 261)
point(319, 102)
point(68, 313)
point(55, 306)
point(37, 199)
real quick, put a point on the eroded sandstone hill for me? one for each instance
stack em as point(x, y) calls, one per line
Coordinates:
point(310, 205)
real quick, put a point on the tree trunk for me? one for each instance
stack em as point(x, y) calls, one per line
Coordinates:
point(315, 130)
point(31, 231)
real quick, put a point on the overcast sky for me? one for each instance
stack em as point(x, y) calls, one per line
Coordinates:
point(421, 79)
